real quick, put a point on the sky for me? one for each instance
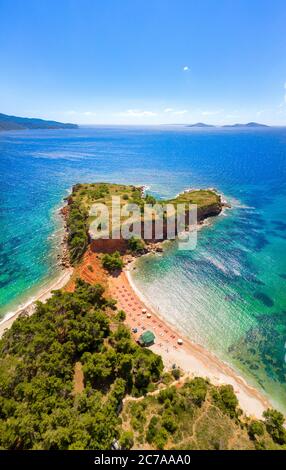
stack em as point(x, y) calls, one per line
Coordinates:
point(144, 61)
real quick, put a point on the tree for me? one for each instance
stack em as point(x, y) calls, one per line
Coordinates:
point(169, 423)
point(176, 373)
point(256, 428)
point(161, 438)
point(274, 421)
point(198, 390)
point(39, 408)
point(136, 245)
point(112, 262)
point(150, 199)
point(77, 230)
point(126, 440)
point(166, 394)
point(152, 429)
point(226, 400)
point(121, 315)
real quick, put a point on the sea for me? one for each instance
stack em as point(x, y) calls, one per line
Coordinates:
point(229, 293)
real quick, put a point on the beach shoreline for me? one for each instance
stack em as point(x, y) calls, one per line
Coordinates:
point(59, 281)
point(192, 358)
point(29, 307)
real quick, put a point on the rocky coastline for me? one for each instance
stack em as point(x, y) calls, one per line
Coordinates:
point(64, 256)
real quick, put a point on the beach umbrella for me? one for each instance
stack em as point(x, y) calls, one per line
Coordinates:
point(148, 315)
point(144, 310)
point(180, 341)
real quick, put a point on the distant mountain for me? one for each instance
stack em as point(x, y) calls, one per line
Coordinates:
point(200, 124)
point(8, 123)
point(249, 124)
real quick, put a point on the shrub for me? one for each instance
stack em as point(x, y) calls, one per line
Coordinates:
point(255, 428)
point(150, 199)
point(112, 262)
point(226, 400)
point(176, 373)
point(126, 440)
point(166, 394)
point(169, 423)
point(121, 315)
point(77, 231)
point(161, 438)
point(136, 244)
point(274, 421)
point(197, 389)
point(151, 432)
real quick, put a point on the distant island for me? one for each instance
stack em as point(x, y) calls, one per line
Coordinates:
point(9, 123)
point(248, 124)
point(237, 125)
point(200, 124)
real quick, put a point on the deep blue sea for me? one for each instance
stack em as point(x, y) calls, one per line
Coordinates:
point(230, 293)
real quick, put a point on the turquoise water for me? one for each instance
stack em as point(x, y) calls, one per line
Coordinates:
point(229, 293)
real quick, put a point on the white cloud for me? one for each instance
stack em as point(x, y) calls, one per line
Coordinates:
point(283, 103)
point(186, 68)
point(211, 113)
point(72, 112)
point(168, 110)
point(137, 113)
point(181, 111)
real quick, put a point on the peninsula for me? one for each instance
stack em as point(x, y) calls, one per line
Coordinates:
point(95, 367)
point(9, 123)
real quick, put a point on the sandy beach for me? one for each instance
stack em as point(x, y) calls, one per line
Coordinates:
point(193, 359)
point(43, 295)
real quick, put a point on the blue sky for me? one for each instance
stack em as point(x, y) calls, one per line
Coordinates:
point(144, 61)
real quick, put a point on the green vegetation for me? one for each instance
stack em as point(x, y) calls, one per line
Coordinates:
point(41, 409)
point(41, 404)
point(176, 373)
point(197, 415)
point(201, 197)
point(136, 245)
point(121, 315)
point(256, 428)
point(274, 425)
point(112, 262)
point(85, 195)
point(148, 199)
point(38, 407)
point(77, 230)
point(225, 398)
point(126, 440)
point(19, 123)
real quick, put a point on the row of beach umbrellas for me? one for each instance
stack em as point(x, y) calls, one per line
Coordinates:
point(144, 311)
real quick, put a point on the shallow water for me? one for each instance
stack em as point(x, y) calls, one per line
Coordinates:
point(229, 293)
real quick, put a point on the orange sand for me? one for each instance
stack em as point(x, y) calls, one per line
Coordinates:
point(193, 359)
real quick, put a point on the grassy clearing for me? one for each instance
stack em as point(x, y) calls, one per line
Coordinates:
point(197, 415)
